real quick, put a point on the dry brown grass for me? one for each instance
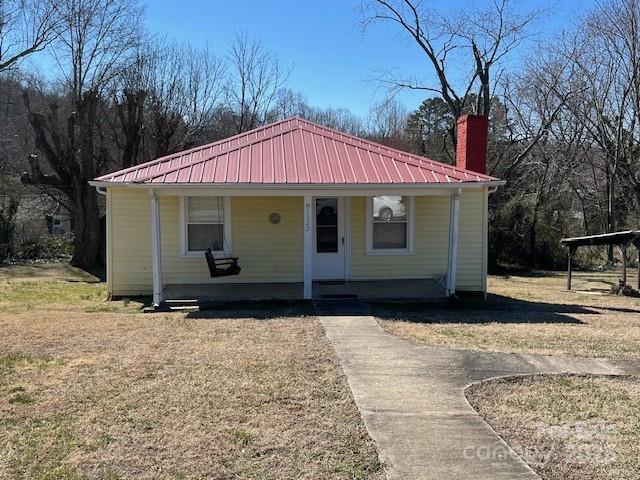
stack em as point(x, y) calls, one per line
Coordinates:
point(530, 314)
point(90, 395)
point(567, 427)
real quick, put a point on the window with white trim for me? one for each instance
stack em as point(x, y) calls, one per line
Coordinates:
point(204, 225)
point(389, 224)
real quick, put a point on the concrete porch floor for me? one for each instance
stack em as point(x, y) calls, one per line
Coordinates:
point(421, 289)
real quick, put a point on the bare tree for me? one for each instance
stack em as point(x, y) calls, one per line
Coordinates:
point(26, 27)
point(574, 133)
point(535, 99)
point(187, 84)
point(166, 99)
point(480, 40)
point(15, 138)
point(387, 123)
point(544, 151)
point(289, 103)
point(128, 127)
point(256, 76)
point(607, 66)
point(93, 41)
point(388, 118)
point(341, 119)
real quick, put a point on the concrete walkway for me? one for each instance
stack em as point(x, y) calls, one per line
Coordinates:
point(413, 404)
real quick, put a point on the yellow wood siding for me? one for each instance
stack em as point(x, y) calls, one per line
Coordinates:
point(429, 259)
point(268, 252)
point(472, 241)
point(273, 253)
point(130, 245)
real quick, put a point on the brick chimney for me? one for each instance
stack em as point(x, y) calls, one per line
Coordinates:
point(471, 151)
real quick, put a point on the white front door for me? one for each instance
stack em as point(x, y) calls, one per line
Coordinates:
point(328, 239)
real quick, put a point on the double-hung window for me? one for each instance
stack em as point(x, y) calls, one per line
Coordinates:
point(390, 224)
point(205, 225)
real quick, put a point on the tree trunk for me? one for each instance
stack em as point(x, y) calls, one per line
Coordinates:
point(611, 219)
point(532, 245)
point(87, 230)
point(532, 261)
point(86, 214)
point(72, 158)
point(131, 112)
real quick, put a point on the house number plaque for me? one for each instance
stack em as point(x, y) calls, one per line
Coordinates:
point(274, 218)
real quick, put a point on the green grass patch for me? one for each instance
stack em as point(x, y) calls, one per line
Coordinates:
point(21, 399)
point(90, 297)
point(242, 436)
point(110, 475)
point(359, 472)
point(9, 363)
point(30, 294)
point(51, 435)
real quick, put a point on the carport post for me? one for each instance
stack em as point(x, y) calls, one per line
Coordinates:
point(636, 243)
point(572, 250)
point(623, 249)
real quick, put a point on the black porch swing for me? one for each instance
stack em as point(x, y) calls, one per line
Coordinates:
point(223, 266)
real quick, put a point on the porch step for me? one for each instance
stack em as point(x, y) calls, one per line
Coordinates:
point(182, 302)
point(174, 306)
point(339, 306)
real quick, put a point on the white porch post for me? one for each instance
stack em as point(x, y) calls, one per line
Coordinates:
point(156, 255)
point(308, 247)
point(453, 242)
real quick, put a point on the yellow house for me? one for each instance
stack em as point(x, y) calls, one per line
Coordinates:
point(302, 207)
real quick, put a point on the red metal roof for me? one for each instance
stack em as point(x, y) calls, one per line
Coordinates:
point(293, 151)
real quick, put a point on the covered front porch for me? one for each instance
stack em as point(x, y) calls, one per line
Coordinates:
point(416, 290)
point(331, 253)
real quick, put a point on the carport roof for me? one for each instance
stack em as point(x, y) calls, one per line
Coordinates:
point(294, 152)
point(615, 238)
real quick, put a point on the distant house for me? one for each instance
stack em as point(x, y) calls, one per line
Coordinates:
point(38, 215)
point(305, 208)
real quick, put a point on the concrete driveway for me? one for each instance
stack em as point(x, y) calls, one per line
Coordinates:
point(412, 400)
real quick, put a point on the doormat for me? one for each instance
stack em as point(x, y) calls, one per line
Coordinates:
point(339, 295)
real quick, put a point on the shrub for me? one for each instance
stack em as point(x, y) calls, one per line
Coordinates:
point(46, 247)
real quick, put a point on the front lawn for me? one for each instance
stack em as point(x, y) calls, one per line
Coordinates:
point(118, 395)
point(528, 314)
point(57, 287)
point(567, 427)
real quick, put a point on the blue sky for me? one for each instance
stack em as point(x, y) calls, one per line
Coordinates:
point(333, 61)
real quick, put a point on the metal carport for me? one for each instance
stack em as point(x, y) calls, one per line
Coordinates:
point(622, 239)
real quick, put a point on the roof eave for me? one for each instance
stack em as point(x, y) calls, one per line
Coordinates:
point(304, 186)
